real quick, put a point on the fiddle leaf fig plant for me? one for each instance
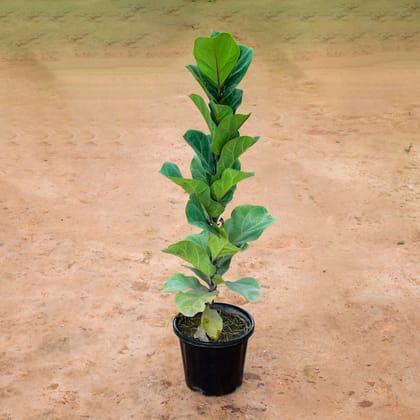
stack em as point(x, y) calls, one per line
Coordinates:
point(221, 64)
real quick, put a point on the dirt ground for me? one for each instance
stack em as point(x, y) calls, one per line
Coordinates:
point(85, 127)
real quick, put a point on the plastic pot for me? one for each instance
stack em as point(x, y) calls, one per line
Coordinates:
point(215, 368)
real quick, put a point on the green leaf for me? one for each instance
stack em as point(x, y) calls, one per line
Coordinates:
point(233, 100)
point(231, 152)
point(237, 164)
point(247, 223)
point(210, 90)
point(212, 323)
point(196, 213)
point(197, 170)
point(194, 301)
point(219, 230)
point(240, 69)
point(228, 197)
point(223, 264)
point(202, 107)
point(217, 279)
point(198, 273)
point(170, 170)
point(230, 177)
point(216, 57)
point(221, 247)
point(201, 239)
point(226, 130)
point(200, 143)
point(193, 186)
point(198, 216)
point(192, 253)
point(219, 112)
point(247, 287)
point(179, 282)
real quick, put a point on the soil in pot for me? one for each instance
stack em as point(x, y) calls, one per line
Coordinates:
point(234, 325)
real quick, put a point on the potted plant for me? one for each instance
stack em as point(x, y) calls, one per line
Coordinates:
point(213, 336)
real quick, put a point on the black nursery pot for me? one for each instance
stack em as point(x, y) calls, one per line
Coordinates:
point(215, 368)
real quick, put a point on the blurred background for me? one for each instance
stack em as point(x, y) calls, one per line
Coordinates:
point(128, 27)
point(93, 99)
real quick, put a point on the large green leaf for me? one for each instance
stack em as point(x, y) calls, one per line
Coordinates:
point(219, 112)
point(200, 143)
point(201, 239)
point(248, 287)
point(211, 322)
point(194, 301)
point(226, 130)
point(178, 282)
point(240, 69)
point(192, 253)
point(210, 90)
point(202, 107)
point(193, 186)
point(247, 223)
point(230, 177)
point(231, 152)
point(216, 57)
point(221, 247)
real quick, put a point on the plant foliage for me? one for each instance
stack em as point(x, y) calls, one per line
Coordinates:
point(221, 64)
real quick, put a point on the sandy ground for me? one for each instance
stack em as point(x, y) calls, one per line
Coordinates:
point(84, 329)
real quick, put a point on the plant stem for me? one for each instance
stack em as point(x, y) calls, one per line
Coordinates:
point(212, 285)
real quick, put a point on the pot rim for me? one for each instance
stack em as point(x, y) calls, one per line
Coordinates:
point(215, 344)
